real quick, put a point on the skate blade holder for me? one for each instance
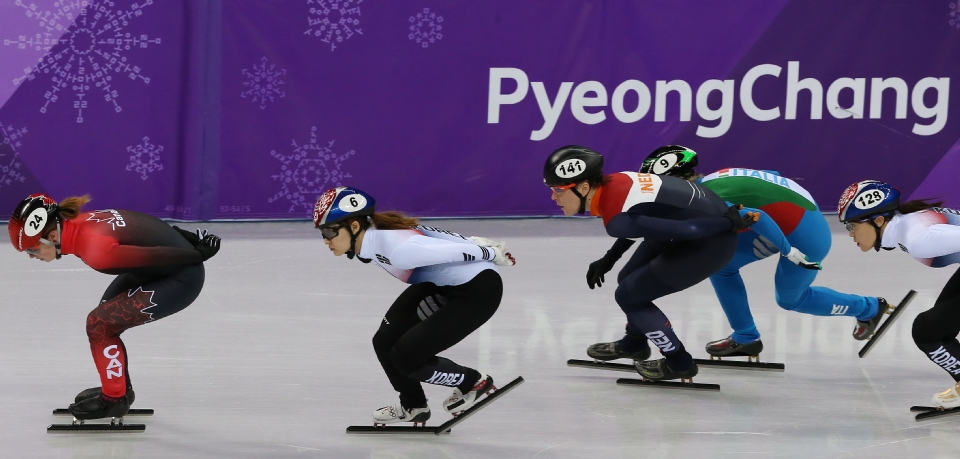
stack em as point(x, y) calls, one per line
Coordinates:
point(688, 385)
point(417, 424)
point(446, 427)
point(750, 358)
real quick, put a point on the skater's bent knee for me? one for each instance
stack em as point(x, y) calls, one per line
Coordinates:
point(627, 299)
point(921, 329)
point(383, 342)
point(788, 305)
point(404, 362)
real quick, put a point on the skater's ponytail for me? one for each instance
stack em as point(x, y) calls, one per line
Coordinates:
point(70, 207)
point(389, 220)
point(917, 205)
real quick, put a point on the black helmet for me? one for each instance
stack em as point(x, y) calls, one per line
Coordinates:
point(675, 160)
point(572, 164)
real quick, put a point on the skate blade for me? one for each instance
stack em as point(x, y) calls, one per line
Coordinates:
point(740, 365)
point(385, 429)
point(116, 425)
point(719, 364)
point(930, 412)
point(887, 323)
point(131, 412)
point(670, 384)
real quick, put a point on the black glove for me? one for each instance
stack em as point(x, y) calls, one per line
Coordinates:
point(190, 236)
point(741, 222)
point(208, 247)
point(596, 271)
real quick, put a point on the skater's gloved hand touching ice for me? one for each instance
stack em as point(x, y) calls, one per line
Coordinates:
point(741, 222)
point(208, 246)
point(798, 258)
point(502, 257)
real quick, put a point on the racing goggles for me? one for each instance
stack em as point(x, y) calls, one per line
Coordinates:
point(559, 189)
point(35, 250)
point(330, 232)
point(850, 226)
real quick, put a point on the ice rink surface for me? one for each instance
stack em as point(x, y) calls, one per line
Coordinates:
point(274, 360)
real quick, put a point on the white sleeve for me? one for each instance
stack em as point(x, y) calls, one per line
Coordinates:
point(425, 251)
point(440, 233)
point(934, 241)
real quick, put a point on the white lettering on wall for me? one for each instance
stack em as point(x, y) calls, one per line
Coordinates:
point(589, 100)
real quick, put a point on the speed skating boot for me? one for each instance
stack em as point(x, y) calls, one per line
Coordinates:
point(458, 401)
point(864, 330)
point(399, 413)
point(947, 399)
point(98, 408)
point(612, 351)
point(658, 370)
point(727, 347)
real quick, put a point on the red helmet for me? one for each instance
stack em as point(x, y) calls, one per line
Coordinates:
point(31, 219)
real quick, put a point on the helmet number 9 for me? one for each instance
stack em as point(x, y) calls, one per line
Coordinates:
point(353, 203)
point(869, 199)
point(664, 164)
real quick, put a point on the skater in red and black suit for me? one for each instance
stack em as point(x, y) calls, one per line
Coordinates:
point(159, 272)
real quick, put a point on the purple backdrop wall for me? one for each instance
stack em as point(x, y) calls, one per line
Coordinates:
point(202, 109)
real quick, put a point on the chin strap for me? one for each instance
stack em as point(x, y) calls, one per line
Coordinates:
point(55, 244)
point(583, 201)
point(353, 244)
point(59, 240)
point(876, 244)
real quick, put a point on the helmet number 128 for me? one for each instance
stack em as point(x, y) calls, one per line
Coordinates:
point(869, 199)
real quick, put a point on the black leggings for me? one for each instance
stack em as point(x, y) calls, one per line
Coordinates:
point(658, 269)
point(935, 331)
point(427, 319)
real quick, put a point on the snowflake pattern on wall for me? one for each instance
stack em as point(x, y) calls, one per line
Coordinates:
point(334, 21)
point(955, 14)
point(9, 155)
point(94, 48)
point(263, 83)
point(309, 170)
point(145, 158)
point(426, 27)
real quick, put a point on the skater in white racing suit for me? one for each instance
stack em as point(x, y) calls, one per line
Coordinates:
point(454, 289)
point(876, 219)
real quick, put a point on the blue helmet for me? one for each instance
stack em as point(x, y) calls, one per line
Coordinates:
point(342, 203)
point(867, 199)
